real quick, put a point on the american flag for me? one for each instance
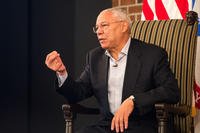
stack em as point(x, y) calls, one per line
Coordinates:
point(165, 9)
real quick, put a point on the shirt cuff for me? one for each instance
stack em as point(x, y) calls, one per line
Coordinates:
point(132, 98)
point(61, 79)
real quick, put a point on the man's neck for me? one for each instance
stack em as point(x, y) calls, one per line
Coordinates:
point(116, 51)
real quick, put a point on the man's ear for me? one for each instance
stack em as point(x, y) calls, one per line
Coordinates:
point(125, 26)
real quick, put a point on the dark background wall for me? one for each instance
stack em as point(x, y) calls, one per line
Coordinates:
point(30, 29)
point(14, 66)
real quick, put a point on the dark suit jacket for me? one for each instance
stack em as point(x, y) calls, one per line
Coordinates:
point(147, 77)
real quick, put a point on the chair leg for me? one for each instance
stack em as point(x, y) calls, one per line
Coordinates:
point(162, 126)
point(68, 117)
point(68, 126)
point(162, 117)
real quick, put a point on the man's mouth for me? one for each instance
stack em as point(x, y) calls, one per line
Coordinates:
point(101, 40)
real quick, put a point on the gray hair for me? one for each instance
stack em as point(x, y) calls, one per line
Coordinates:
point(119, 13)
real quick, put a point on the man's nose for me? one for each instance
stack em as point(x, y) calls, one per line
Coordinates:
point(99, 31)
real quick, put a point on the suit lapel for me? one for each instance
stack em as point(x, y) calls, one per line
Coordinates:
point(132, 70)
point(104, 73)
point(103, 70)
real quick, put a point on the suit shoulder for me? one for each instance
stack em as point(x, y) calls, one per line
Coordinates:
point(148, 50)
point(148, 47)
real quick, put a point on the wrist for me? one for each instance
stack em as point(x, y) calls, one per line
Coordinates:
point(63, 72)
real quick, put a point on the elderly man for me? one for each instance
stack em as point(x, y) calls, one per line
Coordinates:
point(126, 76)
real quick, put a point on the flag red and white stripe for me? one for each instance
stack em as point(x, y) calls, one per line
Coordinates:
point(165, 9)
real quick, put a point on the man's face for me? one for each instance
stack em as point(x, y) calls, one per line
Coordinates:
point(108, 29)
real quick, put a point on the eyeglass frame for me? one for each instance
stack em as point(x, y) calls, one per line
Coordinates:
point(103, 25)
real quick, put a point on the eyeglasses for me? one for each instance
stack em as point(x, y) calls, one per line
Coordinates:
point(103, 26)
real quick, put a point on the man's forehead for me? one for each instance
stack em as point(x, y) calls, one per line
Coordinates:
point(105, 17)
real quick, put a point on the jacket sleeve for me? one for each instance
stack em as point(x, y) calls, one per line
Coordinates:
point(165, 86)
point(77, 90)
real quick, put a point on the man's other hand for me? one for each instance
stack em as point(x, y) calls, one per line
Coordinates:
point(54, 62)
point(120, 119)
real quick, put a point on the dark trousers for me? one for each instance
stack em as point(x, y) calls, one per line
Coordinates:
point(133, 127)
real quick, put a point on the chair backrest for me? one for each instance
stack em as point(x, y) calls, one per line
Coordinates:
point(179, 39)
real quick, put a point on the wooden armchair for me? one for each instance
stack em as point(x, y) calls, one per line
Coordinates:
point(179, 38)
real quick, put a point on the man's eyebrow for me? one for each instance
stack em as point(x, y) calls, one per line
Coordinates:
point(103, 22)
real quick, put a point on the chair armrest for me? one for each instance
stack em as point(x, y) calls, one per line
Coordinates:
point(70, 111)
point(162, 113)
point(181, 110)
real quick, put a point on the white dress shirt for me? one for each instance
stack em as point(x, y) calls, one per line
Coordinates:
point(116, 74)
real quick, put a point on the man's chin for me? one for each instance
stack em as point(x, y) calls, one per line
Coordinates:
point(104, 46)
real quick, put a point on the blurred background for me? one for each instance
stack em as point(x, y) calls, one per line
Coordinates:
point(30, 29)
